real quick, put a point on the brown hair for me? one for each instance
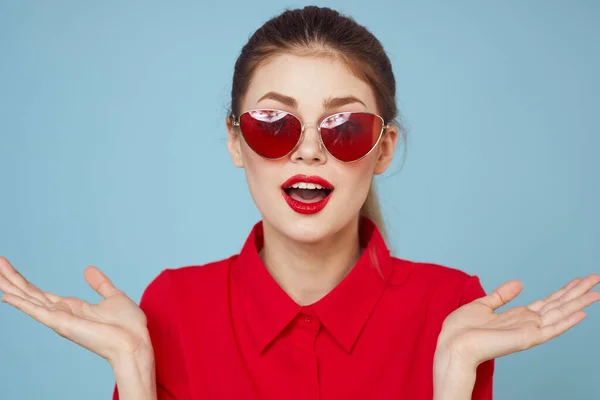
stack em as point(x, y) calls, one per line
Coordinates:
point(320, 31)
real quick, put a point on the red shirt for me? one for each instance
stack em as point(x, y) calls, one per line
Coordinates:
point(226, 330)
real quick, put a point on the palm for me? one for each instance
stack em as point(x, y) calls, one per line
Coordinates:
point(478, 332)
point(114, 325)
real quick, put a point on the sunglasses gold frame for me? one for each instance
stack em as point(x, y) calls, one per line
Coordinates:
point(384, 127)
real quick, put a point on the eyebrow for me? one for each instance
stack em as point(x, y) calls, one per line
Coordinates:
point(335, 102)
point(328, 104)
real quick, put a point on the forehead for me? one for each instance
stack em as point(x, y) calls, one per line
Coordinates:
point(309, 80)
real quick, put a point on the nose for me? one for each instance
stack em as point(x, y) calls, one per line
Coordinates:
point(310, 150)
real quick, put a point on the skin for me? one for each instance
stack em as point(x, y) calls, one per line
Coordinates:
point(116, 329)
point(308, 255)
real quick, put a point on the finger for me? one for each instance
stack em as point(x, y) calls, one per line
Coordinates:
point(580, 288)
point(15, 277)
point(560, 327)
point(53, 297)
point(89, 334)
point(35, 311)
point(7, 287)
point(537, 305)
point(60, 321)
point(566, 309)
point(100, 282)
point(502, 294)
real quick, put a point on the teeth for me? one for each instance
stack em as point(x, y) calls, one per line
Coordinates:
point(306, 185)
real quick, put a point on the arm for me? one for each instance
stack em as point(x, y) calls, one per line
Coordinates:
point(484, 372)
point(476, 333)
point(457, 380)
point(453, 380)
point(161, 307)
point(135, 376)
point(115, 328)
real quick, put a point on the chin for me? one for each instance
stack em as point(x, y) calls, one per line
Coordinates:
point(307, 229)
point(304, 228)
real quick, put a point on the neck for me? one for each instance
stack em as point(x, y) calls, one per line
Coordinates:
point(308, 271)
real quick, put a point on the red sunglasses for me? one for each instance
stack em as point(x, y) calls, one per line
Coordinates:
point(347, 136)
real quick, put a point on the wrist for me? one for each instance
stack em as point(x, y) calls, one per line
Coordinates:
point(456, 354)
point(135, 377)
point(141, 356)
point(129, 349)
point(454, 376)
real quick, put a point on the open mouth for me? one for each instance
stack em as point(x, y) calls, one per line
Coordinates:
point(307, 192)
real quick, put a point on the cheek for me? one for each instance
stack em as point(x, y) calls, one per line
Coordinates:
point(360, 173)
point(261, 174)
point(355, 179)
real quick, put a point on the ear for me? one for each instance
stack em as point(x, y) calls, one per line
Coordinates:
point(234, 143)
point(387, 146)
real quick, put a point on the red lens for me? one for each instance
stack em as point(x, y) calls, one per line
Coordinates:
point(351, 136)
point(270, 133)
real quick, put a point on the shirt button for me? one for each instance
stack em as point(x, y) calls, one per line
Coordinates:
point(307, 319)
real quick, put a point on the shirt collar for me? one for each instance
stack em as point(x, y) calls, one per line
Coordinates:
point(344, 311)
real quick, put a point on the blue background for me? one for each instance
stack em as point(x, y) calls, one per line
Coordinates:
point(112, 153)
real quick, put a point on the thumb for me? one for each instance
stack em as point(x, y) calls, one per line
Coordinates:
point(100, 282)
point(502, 294)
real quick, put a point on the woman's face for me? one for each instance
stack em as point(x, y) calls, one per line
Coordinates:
point(301, 85)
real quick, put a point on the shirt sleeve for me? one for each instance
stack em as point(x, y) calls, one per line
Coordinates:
point(483, 389)
point(162, 313)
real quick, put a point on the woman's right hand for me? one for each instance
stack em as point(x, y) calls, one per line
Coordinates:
point(115, 328)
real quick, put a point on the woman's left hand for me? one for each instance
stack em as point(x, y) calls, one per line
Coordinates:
point(475, 332)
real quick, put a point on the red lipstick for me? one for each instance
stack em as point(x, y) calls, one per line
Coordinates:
point(302, 207)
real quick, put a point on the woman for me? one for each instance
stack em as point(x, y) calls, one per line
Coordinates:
point(313, 306)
